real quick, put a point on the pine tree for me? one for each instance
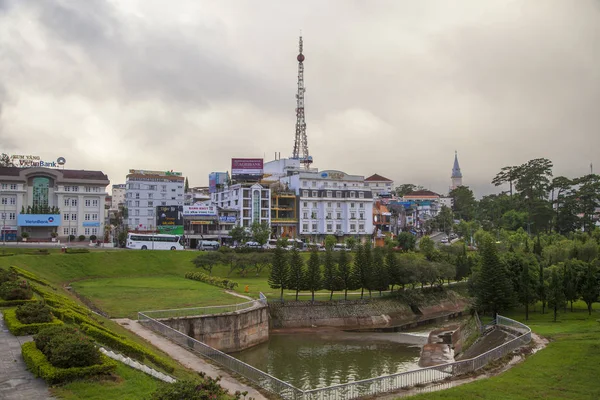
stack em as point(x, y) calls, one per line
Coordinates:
point(570, 282)
point(537, 247)
point(527, 282)
point(393, 267)
point(368, 267)
point(186, 187)
point(358, 272)
point(345, 274)
point(313, 279)
point(279, 270)
point(296, 272)
point(494, 290)
point(380, 279)
point(331, 279)
point(590, 287)
point(556, 295)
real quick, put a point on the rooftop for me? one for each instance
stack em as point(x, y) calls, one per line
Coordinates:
point(422, 193)
point(66, 173)
point(377, 178)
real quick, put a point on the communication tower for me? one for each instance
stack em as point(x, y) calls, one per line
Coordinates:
point(301, 142)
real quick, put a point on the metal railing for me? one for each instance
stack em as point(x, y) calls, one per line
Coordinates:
point(199, 311)
point(351, 390)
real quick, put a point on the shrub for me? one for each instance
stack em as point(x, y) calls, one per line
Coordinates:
point(33, 313)
point(6, 276)
point(212, 280)
point(13, 303)
point(93, 237)
point(30, 277)
point(15, 290)
point(81, 238)
point(71, 237)
point(17, 328)
point(37, 363)
point(76, 251)
point(24, 235)
point(72, 350)
point(209, 388)
point(42, 339)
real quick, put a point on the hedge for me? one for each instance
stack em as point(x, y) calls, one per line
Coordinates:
point(19, 329)
point(31, 277)
point(6, 254)
point(39, 365)
point(12, 303)
point(70, 250)
point(211, 280)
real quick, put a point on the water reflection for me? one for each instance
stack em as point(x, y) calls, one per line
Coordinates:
point(310, 361)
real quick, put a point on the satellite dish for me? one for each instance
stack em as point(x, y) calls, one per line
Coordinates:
point(61, 161)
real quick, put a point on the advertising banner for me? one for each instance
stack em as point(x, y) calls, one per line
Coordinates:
point(38, 220)
point(169, 220)
point(251, 167)
point(215, 179)
point(88, 224)
point(160, 173)
point(201, 222)
point(200, 211)
point(227, 219)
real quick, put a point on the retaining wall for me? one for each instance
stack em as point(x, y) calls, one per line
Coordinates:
point(228, 332)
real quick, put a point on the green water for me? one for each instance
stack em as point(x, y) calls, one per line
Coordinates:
point(310, 361)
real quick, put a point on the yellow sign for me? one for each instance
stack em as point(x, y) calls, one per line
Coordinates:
point(201, 222)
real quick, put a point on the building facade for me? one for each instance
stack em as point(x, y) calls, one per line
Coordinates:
point(145, 190)
point(47, 203)
point(252, 201)
point(118, 196)
point(379, 185)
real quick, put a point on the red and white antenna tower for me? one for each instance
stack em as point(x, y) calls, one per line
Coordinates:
point(301, 142)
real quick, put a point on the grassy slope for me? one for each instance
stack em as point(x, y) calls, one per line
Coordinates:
point(567, 369)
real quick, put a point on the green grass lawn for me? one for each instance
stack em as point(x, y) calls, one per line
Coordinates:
point(124, 296)
point(568, 368)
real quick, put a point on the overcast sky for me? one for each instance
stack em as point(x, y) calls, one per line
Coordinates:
point(393, 87)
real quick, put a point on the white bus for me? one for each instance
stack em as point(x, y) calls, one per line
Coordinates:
point(140, 241)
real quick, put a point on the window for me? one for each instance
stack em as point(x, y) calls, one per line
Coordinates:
point(172, 190)
point(328, 215)
point(94, 217)
point(352, 216)
point(305, 193)
point(352, 194)
point(150, 195)
point(305, 227)
point(338, 227)
point(67, 202)
point(13, 186)
point(41, 185)
point(314, 204)
point(4, 186)
point(65, 231)
point(137, 213)
point(87, 190)
point(361, 205)
point(329, 193)
point(86, 217)
point(74, 231)
point(338, 195)
point(150, 204)
point(305, 204)
point(315, 193)
point(351, 205)
point(362, 215)
point(76, 188)
point(74, 202)
point(361, 227)
point(5, 200)
point(150, 212)
point(339, 204)
point(352, 227)
point(67, 188)
point(88, 203)
point(86, 231)
point(66, 217)
point(305, 215)
point(329, 204)
point(314, 227)
point(314, 183)
point(73, 217)
point(12, 216)
point(313, 215)
point(94, 231)
point(304, 183)
point(95, 203)
point(137, 221)
point(163, 188)
point(361, 195)
point(339, 215)
point(329, 227)
point(137, 195)
point(137, 203)
point(96, 189)
point(13, 200)
point(163, 203)
point(152, 187)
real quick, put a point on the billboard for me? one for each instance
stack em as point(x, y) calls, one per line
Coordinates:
point(227, 219)
point(160, 173)
point(200, 211)
point(38, 220)
point(247, 168)
point(169, 219)
point(215, 179)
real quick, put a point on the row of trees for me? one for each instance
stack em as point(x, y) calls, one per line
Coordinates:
point(555, 273)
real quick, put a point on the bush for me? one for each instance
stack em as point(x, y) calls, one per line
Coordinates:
point(37, 363)
point(24, 235)
point(33, 313)
point(15, 290)
point(71, 237)
point(212, 280)
point(30, 277)
point(17, 328)
point(81, 238)
point(72, 350)
point(209, 388)
point(76, 251)
point(93, 237)
point(6, 276)
point(13, 303)
point(42, 339)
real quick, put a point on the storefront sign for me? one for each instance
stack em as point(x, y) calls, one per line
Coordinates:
point(32, 161)
point(199, 211)
point(88, 224)
point(38, 220)
point(228, 219)
point(201, 222)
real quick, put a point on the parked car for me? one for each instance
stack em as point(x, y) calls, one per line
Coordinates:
point(340, 247)
point(444, 239)
point(208, 245)
point(253, 245)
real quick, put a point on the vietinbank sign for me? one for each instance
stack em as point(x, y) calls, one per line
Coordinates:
point(38, 220)
point(33, 161)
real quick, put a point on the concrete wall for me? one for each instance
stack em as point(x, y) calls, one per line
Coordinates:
point(227, 332)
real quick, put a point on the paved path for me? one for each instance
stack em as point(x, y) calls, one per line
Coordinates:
point(16, 383)
point(188, 359)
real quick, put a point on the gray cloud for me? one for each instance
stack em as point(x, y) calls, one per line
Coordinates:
point(392, 87)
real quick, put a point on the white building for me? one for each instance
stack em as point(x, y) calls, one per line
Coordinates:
point(118, 196)
point(379, 185)
point(47, 202)
point(332, 203)
point(252, 201)
point(145, 190)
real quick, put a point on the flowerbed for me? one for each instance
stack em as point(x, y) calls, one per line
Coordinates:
point(19, 329)
point(212, 280)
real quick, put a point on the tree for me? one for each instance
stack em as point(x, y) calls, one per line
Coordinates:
point(556, 296)
point(330, 241)
point(524, 270)
point(345, 272)
point(186, 187)
point(351, 243)
point(296, 272)
point(513, 220)
point(279, 270)
point(463, 202)
point(494, 290)
point(427, 247)
point(589, 199)
point(313, 279)
point(444, 220)
point(259, 261)
point(507, 175)
point(393, 267)
point(407, 188)
point(5, 161)
point(208, 261)
point(331, 280)
point(368, 267)
point(239, 234)
point(360, 270)
point(407, 241)
point(590, 286)
point(533, 187)
point(561, 186)
point(260, 232)
point(570, 281)
point(542, 287)
point(380, 279)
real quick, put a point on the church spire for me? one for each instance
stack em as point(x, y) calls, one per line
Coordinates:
point(456, 174)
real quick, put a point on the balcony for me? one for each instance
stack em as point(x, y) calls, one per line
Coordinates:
point(284, 220)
